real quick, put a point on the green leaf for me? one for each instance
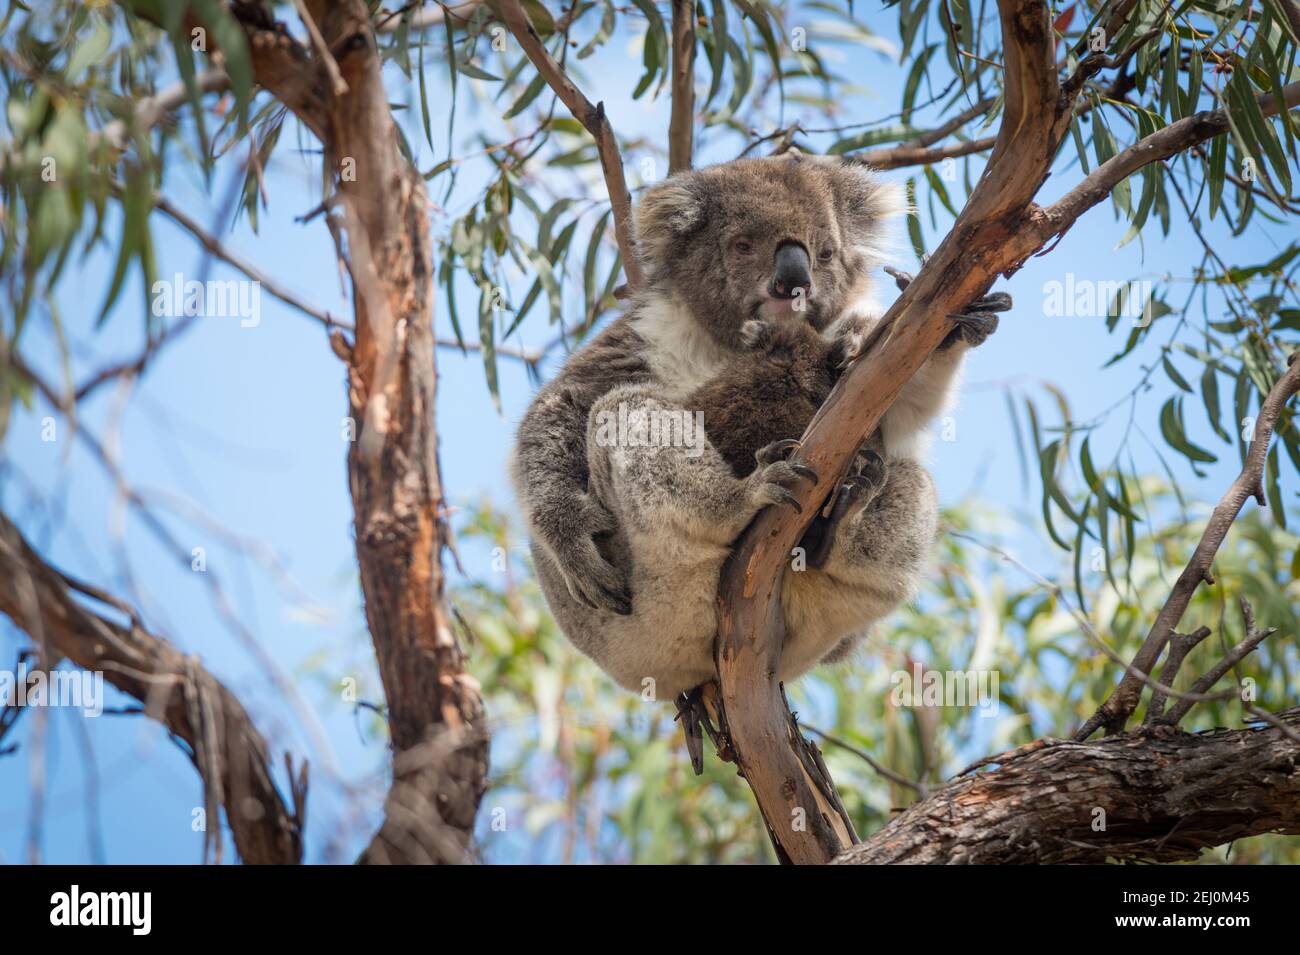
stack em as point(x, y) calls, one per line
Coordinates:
point(487, 342)
point(89, 51)
point(530, 93)
point(1217, 167)
point(477, 73)
point(1171, 428)
point(1273, 490)
point(603, 33)
point(424, 101)
point(914, 77)
point(914, 222)
point(1174, 374)
point(718, 49)
point(1210, 395)
point(589, 265)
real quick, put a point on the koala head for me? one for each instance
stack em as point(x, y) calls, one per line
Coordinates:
point(788, 237)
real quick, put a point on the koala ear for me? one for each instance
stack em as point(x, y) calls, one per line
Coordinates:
point(867, 203)
point(666, 215)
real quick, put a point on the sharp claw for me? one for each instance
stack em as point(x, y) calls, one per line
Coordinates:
point(901, 279)
point(997, 302)
point(776, 450)
point(805, 472)
point(785, 497)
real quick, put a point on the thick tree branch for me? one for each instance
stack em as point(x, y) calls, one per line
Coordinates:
point(230, 754)
point(1160, 796)
point(593, 118)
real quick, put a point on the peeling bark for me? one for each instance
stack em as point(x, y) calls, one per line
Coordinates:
point(1162, 795)
point(174, 689)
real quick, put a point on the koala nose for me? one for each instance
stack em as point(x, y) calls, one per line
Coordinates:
point(793, 271)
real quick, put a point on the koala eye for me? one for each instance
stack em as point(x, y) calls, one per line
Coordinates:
point(825, 255)
point(743, 247)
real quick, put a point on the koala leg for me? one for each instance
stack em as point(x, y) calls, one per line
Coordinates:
point(855, 492)
point(880, 552)
point(642, 471)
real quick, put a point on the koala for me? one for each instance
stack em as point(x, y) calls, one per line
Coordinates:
point(769, 392)
point(629, 535)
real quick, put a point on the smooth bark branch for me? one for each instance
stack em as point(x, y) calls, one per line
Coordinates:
point(681, 123)
point(1114, 713)
point(230, 754)
point(1159, 796)
point(593, 120)
point(899, 157)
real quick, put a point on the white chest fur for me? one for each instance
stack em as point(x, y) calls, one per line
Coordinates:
point(682, 355)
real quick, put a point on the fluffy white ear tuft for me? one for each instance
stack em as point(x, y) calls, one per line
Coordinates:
point(891, 200)
point(666, 214)
point(868, 205)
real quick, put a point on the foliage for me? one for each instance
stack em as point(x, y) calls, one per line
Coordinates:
point(525, 228)
point(586, 772)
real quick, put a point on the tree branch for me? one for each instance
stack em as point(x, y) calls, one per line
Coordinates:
point(1158, 796)
point(435, 713)
point(229, 752)
point(681, 124)
point(596, 123)
point(1114, 713)
point(898, 157)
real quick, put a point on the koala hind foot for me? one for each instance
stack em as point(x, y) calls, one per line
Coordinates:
point(856, 491)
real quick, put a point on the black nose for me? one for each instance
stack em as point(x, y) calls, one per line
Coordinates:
point(793, 271)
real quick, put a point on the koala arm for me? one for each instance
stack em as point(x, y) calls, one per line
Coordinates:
point(933, 388)
point(688, 490)
point(929, 392)
point(549, 469)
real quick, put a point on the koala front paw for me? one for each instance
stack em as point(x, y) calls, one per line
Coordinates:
point(973, 328)
point(771, 480)
point(975, 323)
point(754, 333)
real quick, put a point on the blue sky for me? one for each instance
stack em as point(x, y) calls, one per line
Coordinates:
point(246, 422)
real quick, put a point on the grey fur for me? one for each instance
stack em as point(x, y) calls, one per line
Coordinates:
point(628, 540)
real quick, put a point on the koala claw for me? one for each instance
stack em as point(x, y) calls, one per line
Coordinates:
point(976, 323)
point(594, 582)
point(753, 332)
point(973, 328)
point(776, 451)
point(770, 481)
point(854, 493)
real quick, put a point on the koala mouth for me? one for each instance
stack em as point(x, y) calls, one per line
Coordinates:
point(784, 309)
